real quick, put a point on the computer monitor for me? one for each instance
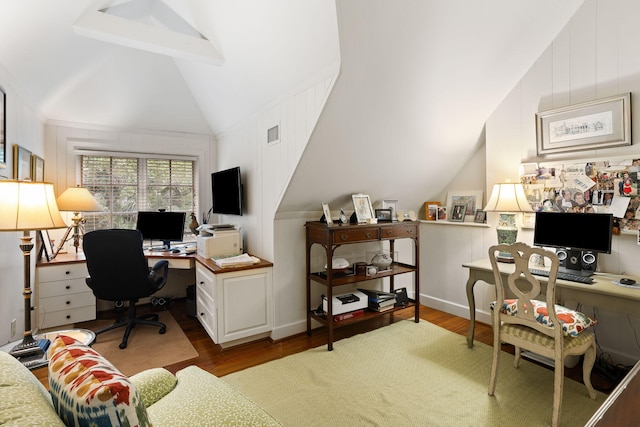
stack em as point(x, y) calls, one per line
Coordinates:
point(165, 226)
point(577, 237)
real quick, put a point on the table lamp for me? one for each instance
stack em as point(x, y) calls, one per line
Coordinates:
point(508, 199)
point(76, 200)
point(26, 206)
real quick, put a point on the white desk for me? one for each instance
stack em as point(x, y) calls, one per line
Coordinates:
point(601, 293)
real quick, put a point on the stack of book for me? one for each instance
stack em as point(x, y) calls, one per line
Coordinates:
point(378, 300)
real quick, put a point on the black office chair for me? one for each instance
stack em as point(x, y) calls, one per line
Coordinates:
point(118, 271)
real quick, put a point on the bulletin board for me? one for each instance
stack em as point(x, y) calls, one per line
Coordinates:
point(600, 186)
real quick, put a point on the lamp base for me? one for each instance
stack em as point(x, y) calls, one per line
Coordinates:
point(28, 347)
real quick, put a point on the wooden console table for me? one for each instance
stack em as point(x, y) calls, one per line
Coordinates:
point(333, 236)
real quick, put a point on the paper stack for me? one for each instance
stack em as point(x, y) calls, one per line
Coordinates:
point(236, 261)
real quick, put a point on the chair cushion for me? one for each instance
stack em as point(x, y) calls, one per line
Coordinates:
point(153, 384)
point(87, 390)
point(573, 322)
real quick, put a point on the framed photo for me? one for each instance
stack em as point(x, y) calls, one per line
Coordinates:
point(362, 207)
point(442, 213)
point(481, 216)
point(21, 163)
point(458, 213)
point(3, 128)
point(391, 204)
point(327, 213)
point(47, 248)
point(471, 199)
point(383, 214)
point(587, 126)
point(37, 168)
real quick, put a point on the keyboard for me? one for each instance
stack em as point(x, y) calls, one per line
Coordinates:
point(564, 276)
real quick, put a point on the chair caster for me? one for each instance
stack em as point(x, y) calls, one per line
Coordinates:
point(123, 345)
point(163, 330)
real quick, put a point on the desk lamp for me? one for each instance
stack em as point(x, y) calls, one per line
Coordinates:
point(508, 199)
point(76, 200)
point(26, 206)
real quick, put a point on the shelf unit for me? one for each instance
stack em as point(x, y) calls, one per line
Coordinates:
point(330, 237)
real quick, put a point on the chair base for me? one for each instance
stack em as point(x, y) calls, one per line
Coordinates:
point(131, 321)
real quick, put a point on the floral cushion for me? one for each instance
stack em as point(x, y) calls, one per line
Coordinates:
point(87, 390)
point(573, 322)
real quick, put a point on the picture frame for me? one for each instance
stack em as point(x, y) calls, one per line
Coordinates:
point(393, 205)
point(47, 247)
point(472, 199)
point(480, 216)
point(37, 168)
point(21, 163)
point(3, 128)
point(362, 207)
point(458, 212)
point(442, 213)
point(589, 125)
point(327, 214)
point(431, 210)
point(383, 215)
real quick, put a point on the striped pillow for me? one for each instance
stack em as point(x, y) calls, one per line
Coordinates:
point(87, 390)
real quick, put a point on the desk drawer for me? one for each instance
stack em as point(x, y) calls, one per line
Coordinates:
point(62, 272)
point(399, 232)
point(66, 317)
point(356, 235)
point(64, 302)
point(62, 287)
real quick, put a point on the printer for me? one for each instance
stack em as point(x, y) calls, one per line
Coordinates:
point(223, 242)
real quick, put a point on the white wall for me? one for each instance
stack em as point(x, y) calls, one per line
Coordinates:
point(24, 127)
point(267, 169)
point(595, 56)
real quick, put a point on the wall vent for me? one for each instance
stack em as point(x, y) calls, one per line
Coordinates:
point(273, 134)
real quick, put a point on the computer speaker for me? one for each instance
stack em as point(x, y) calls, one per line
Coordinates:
point(569, 259)
point(589, 261)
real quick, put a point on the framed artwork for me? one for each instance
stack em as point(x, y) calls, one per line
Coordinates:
point(471, 199)
point(391, 204)
point(47, 248)
point(587, 126)
point(21, 163)
point(37, 168)
point(480, 217)
point(327, 213)
point(442, 213)
point(3, 128)
point(458, 213)
point(383, 214)
point(362, 207)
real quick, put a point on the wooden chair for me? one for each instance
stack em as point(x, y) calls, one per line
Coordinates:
point(524, 323)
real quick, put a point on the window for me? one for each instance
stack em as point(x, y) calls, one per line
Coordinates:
point(126, 185)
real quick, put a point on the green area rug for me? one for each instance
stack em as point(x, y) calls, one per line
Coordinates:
point(408, 374)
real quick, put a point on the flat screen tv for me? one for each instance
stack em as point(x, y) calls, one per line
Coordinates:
point(226, 192)
point(164, 226)
point(576, 233)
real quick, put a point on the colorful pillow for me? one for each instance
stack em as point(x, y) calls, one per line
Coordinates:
point(87, 390)
point(573, 322)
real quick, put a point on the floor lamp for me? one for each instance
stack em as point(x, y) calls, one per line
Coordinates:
point(76, 200)
point(26, 206)
point(507, 199)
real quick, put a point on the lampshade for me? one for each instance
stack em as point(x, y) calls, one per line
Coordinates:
point(26, 205)
point(78, 199)
point(508, 197)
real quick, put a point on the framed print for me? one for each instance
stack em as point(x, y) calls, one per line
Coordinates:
point(3, 128)
point(21, 163)
point(458, 213)
point(383, 214)
point(46, 247)
point(362, 206)
point(442, 213)
point(471, 199)
point(391, 204)
point(587, 126)
point(327, 213)
point(480, 217)
point(37, 168)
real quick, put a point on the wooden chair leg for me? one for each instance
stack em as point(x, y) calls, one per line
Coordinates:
point(518, 354)
point(558, 387)
point(495, 363)
point(587, 366)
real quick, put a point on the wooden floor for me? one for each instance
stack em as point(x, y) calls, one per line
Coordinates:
point(220, 362)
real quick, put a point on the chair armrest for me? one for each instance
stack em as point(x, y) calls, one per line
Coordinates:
point(153, 384)
point(158, 275)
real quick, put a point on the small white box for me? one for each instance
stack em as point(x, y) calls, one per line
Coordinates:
point(222, 243)
point(339, 307)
